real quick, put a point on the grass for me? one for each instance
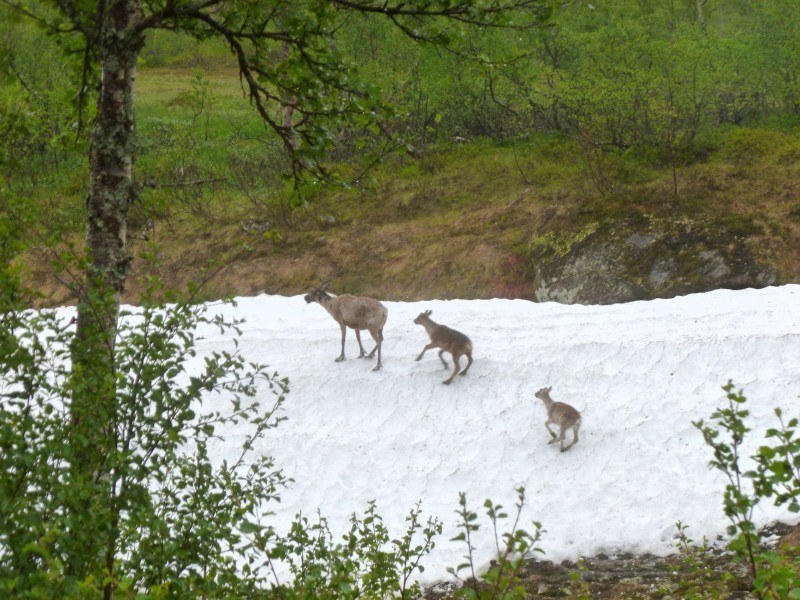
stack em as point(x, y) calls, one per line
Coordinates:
point(456, 222)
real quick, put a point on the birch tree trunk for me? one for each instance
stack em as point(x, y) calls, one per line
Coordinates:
point(112, 141)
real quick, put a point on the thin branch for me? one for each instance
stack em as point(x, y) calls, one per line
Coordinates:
point(456, 12)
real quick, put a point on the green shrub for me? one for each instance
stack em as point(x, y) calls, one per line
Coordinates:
point(368, 563)
point(776, 476)
point(744, 145)
point(514, 548)
point(164, 515)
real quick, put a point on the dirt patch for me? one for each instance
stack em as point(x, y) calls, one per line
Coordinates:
point(444, 234)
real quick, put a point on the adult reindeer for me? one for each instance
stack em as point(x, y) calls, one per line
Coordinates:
point(355, 312)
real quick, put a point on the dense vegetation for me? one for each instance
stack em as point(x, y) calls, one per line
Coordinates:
point(617, 110)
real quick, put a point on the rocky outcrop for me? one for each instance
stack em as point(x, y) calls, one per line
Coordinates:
point(643, 259)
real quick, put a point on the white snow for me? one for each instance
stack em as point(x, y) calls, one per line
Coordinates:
point(639, 372)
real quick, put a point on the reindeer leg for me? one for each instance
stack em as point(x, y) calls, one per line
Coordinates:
point(378, 347)
point(469, 364)
point(424, 350)
point(559, 439)
point(344, 333)
point(362, 352)
point(552, 433)
point(573, 442)
point(444, 362)
point(455, 371)
point(377, 337)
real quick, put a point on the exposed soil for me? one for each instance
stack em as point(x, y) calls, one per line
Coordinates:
point(416, 245)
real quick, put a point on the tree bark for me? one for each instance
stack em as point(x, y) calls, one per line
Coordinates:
point(112, 141)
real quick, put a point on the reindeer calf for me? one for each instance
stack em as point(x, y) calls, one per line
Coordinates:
point(354, 312)
point(561, 414)
point(449, 340)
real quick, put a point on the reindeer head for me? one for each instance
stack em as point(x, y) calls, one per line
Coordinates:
point(544, 393)
point(318, 294)
point(422, 317)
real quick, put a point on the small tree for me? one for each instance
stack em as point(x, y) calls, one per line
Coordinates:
point(777, 476)
point(173, 519)
point(513, 549)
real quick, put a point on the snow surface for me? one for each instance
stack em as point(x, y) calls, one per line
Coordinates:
point(640, 373)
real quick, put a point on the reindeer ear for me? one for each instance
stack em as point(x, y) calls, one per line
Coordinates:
point(428, 313)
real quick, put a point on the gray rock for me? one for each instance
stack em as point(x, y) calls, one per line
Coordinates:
point(609, 263)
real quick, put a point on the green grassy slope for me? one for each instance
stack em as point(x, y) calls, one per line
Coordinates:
point(457, 222)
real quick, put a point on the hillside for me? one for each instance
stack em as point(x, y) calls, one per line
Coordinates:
point(486, 220)
point(628, 150)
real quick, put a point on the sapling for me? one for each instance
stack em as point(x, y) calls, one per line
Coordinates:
point(738, 503)
point(777, 475)
point(513, 549)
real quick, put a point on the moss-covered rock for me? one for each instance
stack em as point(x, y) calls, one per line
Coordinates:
point(641, 259)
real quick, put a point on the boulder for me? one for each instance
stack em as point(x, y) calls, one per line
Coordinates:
point(643, 259)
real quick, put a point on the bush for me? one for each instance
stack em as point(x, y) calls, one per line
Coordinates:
point(502, 580)
point(171, 521)
point(776, 476)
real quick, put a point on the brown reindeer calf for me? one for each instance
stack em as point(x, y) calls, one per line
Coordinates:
point(561, 414)
point(449, 340)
